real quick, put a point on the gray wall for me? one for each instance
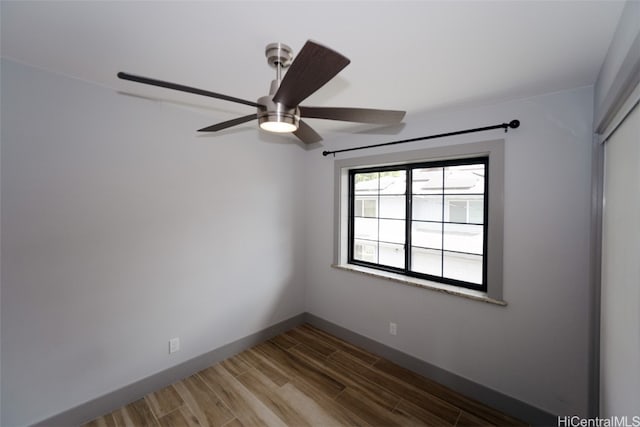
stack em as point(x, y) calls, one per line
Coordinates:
point(121, 229)
point(535, 349)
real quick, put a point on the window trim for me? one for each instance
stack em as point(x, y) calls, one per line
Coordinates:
point(493, 149)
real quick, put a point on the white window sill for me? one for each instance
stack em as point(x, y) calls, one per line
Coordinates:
point(421, 283)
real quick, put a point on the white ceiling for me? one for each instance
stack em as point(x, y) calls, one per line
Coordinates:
point(415, 56)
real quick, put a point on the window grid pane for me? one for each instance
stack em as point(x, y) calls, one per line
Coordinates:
point(464, 208)
point(463, 238)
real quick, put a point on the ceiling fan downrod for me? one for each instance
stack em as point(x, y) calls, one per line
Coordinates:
point(279, 56)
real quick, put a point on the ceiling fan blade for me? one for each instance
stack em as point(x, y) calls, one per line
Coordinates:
point(306, 134)
point(360, 115)
point(229, 123)
point(183, 88)
point(314, 66)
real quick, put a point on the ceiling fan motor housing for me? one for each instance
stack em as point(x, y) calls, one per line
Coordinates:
point(270, 112)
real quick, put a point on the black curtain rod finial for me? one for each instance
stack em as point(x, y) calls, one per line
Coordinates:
point(513, 124)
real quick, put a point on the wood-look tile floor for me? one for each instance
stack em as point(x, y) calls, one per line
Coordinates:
point(305, 377)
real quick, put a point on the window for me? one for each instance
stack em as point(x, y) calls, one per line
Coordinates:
point(430, 220)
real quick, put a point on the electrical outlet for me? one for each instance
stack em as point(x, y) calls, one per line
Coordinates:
point(393, 328)
point(174, 345)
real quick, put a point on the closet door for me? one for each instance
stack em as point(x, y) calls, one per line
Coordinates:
point(620, 286)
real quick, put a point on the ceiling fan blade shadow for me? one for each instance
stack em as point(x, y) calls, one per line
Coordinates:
point(229, 123)
point(360, 115)
point(183, 88)
point(306, 134)
point(314, 66)
point(364, 129)
point(198, 105)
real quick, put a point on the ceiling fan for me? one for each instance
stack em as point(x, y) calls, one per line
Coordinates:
point(280, 111)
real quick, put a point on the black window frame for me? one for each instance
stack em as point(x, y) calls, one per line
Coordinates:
point(408, 167)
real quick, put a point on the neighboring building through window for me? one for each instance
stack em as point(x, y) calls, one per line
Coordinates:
point(425, 220)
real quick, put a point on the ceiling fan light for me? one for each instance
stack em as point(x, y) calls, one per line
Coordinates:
point(278, 127)
point(279, 123)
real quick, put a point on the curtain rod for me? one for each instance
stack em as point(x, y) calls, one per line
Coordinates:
point(513, 124)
